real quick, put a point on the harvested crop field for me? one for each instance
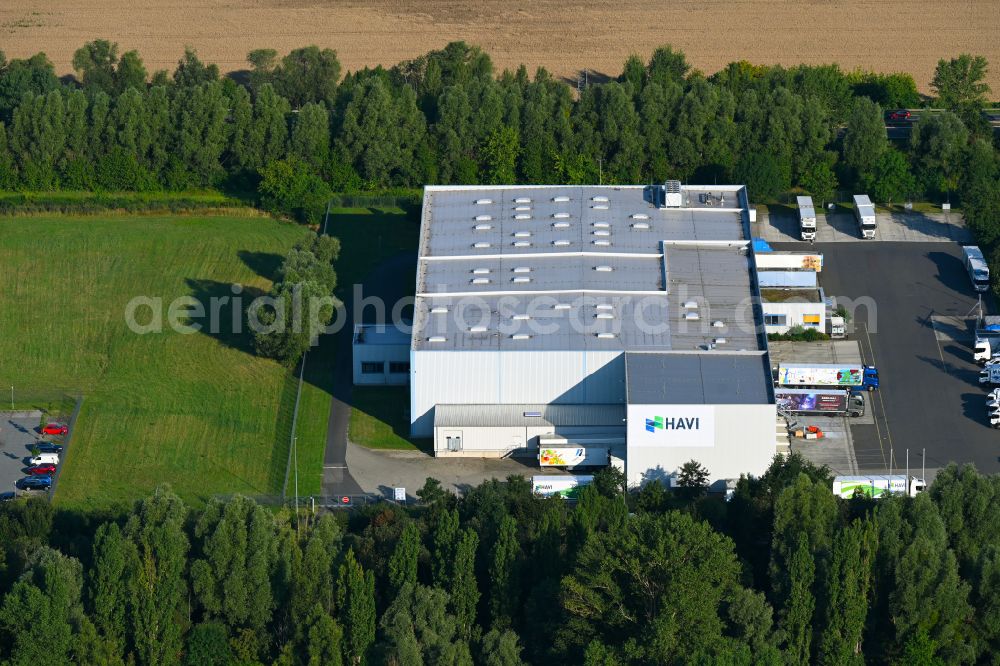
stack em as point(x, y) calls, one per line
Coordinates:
point(565, 37)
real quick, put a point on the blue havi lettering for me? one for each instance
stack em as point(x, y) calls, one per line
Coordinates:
point(682, 423)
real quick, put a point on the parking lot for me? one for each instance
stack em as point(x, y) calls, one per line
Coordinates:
point(781, 224)
point(917, 332)
point(17, 432)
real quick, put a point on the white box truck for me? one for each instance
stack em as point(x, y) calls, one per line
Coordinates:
point(836, 327)
point(44, 459)
point(975, 264)
point(877, 486)
point(864, 211)
point(807, 218)
point(987, 339)
point(565, 487)
point(570, 456)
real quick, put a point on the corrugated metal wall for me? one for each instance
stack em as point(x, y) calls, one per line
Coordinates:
point(511, 377)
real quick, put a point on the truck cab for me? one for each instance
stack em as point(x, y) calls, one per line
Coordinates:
point(856, 405)
point(871, 377)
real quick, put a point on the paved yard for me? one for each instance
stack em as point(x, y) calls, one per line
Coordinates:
point(17, 432)
point(781, 224)
point(917, 332)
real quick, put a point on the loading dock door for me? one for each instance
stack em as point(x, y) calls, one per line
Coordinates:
point(453, 439)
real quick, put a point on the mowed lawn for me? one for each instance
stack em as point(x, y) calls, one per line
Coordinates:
point(198, 411)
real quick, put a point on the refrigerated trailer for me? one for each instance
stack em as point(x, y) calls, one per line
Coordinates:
point(877, 486)
point(565, 486)
point(807, 218)
point(976, 266)
point(864, 211)
point(827, 375)
point(830, 402)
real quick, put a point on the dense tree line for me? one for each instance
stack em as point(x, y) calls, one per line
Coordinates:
point(783, 572)
point(296, 128)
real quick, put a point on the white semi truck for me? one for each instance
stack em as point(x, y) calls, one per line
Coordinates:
point(877, 486)
point(987, 339)
point(864, 211)
point(807, 218)
point(827, 375)
point(975, 264)
point(563, 486)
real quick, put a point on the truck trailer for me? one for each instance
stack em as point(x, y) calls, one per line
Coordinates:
point(564, 486)
point(987, 339)
point(807, 218)
point(827, 375)
point(990, 375)
point(976, 266)
point(864, 211)
point(570, 456)
point(877, 486)
point(831, 402)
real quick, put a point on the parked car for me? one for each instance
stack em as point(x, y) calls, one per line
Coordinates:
point(38, 470)
point(8, 496)
point(900, 114)
point(48, 447)
point(55, 429)
point(34, 483)
point(44, 459)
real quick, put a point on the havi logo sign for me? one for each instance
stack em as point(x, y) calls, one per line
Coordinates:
point(671, 425)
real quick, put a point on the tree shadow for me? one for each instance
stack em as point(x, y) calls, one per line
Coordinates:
point(264, 264)
point(951, 271)
point(225, 313)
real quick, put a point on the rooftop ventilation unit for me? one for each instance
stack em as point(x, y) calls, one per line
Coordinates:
point(522, 216)
point(522, 269)
point(484, 202)
point(561, 225)
point(531, 415)
point(521, 336)
point(481, 245)
point(600, 206)
point(718, 341)
point(521, 317)
point(604, 306)
point(560, 243)
point(522, 243)
point(483, 218)
point(436, 338)
point(481, 271)
point(718, 324)
point(602, 243)
point(672, 194)
point(477, 329)
point(604, 315)
point(560, 199)
point(690, 305)
point(522, 234)
point(640, 216)
point(483, 227)
point(599, 199)
point(522, 200)
point(522, 208)
point(602, 232)
point(605, 336)
point(691, 316)
point(521, 279)
point(602, 225)
point(439, 310)
point(603, 269)
point(561, 306)
point(480, 280)
point(560, 216)
point(640, 226)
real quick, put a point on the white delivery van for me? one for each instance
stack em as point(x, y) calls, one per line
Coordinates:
point(45, 459)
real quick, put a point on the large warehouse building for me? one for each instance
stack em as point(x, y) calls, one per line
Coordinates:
point(625, 319)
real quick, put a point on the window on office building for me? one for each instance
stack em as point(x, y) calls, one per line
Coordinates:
point(775, 320)
point(372, 367)
point(399, 367)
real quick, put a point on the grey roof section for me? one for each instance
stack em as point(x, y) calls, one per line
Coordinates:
point(379, 334)
point(563, 291)
point(499, 416)
point(708, 378)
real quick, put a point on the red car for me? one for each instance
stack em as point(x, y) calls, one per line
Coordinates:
point(39, 470)
point(55, 429)
point(901, 114)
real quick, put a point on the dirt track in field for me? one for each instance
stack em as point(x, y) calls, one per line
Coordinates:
point(564, 37)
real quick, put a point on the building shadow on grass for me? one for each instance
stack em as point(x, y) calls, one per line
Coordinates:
point(225, 313)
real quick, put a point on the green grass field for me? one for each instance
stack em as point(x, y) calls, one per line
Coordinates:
point(199, 411)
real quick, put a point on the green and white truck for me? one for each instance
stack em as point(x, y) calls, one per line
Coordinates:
point(877, 486)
